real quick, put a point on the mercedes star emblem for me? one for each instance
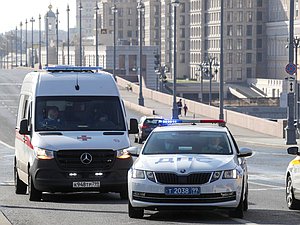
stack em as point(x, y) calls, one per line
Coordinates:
point(86, 158)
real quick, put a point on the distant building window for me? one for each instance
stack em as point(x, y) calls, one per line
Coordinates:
point(182, 58)
point(239, 30)
point(259, 43)
point(249, 16)
point(259, 16)
point(239, 74)
point(249, 44)
point(259, 29)
point(239, 57)
point(229, 44)
point(259, 3)
point(229, 30)
point(249, 58)
point(259, 57)
point(249, 30)
point(239, 44)
point(249, 72)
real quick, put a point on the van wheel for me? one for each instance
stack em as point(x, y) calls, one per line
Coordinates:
point(20, 186)
point(34, 194)
point(134, 212)
point(124, 194)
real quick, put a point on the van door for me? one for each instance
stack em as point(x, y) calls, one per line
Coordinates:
point(25, 149)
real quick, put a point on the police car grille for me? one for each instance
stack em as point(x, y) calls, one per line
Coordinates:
point(172, 178)
point(70, 159)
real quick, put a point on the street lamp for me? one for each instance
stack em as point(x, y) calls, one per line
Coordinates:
point(296, 42)
point(80, 35)
point(290, 129)
point(201, 68)
point(68, 35)
point(114, 11)
point(96, 12)
point(26, 62)
point(141, 10)
point(221, 91)
point(40, 42)
point(47, 40)
point(16, 46)
point(21, 44)
point(57, 13)
point(210, 61)
point(32, 62)
point(175, 4)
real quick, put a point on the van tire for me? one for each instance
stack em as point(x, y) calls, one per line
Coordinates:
point(34, 194)
point(20, 186)
point(134, 212)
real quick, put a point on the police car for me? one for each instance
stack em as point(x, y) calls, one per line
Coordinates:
point(293, 180)
point(189, 166)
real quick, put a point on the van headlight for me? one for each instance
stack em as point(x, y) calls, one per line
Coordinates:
point(123, 154)
point(42, 153)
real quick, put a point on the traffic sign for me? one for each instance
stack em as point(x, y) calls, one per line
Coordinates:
point(291, 68)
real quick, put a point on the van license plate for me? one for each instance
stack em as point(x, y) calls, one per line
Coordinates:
point(86, 184)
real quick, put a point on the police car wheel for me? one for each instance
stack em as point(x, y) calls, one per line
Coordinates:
point(134, 212)
point(292, 203)
point(238, 212)
point(245, 202)
point(20, 186)
point(34, 194)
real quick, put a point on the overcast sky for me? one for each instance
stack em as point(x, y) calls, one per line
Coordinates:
point(12, 12)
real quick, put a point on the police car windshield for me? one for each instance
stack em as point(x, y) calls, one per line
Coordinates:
point(88, 113)
point(188, 142)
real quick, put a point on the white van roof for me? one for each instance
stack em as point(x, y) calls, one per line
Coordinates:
point(70, 82)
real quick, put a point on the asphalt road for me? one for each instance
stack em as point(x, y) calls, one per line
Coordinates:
point(266, 190)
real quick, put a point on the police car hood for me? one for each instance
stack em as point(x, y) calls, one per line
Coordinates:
point(187, 163)
point(81, 140)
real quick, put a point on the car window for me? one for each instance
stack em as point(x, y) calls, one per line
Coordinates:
point(152, 122)
point(188, 142)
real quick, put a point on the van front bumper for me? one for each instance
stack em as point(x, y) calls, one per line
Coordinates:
point(49, 177)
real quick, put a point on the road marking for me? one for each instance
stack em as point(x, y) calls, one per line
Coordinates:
point(266, 185)
point(7, 145)
point(244, 221)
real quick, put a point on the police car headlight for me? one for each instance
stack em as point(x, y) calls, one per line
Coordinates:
point(138, 174)
point(41, 153)
point(150, 175)
point(123, 154)
point(216, 175)
point(230, 174)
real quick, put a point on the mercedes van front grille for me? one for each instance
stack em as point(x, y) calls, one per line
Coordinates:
point(85, 159)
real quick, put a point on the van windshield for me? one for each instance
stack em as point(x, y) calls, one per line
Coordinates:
point(88, 113)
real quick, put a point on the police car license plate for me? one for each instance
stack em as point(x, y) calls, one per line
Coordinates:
point(86, 184)
point(182, 190)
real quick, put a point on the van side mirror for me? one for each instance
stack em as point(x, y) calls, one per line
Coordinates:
point(133, 126)
point(134, 151)
point(24, 127)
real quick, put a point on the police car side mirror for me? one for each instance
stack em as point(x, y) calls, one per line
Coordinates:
point(244, 152)
point(293, 150)
point(24, 127)
point(133, 126)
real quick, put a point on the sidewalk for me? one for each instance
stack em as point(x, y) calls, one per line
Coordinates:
point(242, 135)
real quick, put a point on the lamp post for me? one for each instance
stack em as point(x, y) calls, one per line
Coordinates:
point(201, 69)
point(32, 62)
point(57, 13)
point(96, 26)
point(16, 46)
point(68, 33)
point(175, 4)
point(26, 60)
point(141, 10)
point(21, 44)
point(47, 40)
point(80, 35)
point(296, 46)
point(221, 91)
point(290, 129)
point(114, 10)
point(40, 42)
point(208, 63)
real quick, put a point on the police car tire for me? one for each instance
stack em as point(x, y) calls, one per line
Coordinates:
point(292, 202)
point(245, 202)
point(20, 186)
point(134, 212)
point(34, 194)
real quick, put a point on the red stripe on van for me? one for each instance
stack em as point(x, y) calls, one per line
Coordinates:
point(21, 137)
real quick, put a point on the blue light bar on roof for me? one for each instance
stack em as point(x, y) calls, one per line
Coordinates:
point(166, 122)
point(72, 68)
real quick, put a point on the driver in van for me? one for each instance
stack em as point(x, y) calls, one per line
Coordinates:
point(52, 120)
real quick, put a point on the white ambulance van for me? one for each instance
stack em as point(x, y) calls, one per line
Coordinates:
point(71, 133)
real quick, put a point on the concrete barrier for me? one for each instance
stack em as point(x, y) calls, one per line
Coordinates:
point(235, 118)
